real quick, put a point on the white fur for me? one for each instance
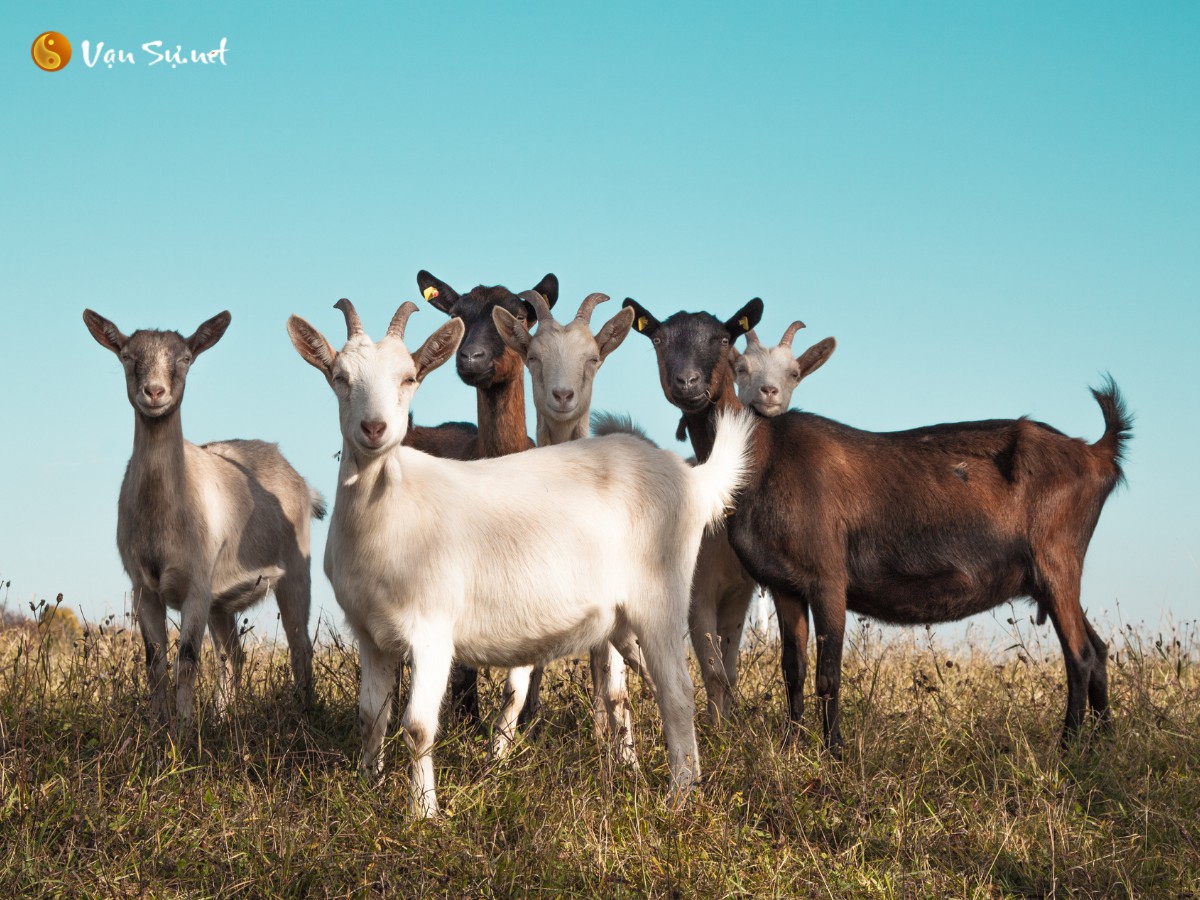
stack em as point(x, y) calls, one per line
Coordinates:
point(563, 363)
point(766, 376)
point(513, 561)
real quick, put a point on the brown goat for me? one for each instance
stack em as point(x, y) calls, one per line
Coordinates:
point(912, 527)
point(450, 440)
point(497, 373)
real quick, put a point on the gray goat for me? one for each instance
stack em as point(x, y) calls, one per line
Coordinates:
point(208, 530)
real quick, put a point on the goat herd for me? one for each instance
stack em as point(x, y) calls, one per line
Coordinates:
point(454, 547)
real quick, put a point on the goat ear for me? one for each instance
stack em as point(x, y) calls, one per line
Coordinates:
point(815, 356)
point(643, 321)
point(311, 345)
point(209, 333)
point(548, 288)
point(439, 294)
point(744, 319)
point(512, 331)
point(439, 347)
point(105, 332)
point(615, 331)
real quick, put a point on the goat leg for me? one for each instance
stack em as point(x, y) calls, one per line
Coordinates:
point(792, 611)
point(829, 622)
point(152, 621)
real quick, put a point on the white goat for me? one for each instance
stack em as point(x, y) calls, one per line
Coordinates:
point(563, 361)
point(511, 561)
point(766, 376)
point(207, 530)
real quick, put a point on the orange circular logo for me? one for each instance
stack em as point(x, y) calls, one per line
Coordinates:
point(51, 51)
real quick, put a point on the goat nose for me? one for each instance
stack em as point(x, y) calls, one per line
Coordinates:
point(687, 379)
point(470, 354)
point(563, 396)
point(769, 391)
point(374, 430)
point(154, 391)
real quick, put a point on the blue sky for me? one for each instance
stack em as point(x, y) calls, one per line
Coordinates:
point(988, 205)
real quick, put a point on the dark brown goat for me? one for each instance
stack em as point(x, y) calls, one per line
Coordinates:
point(912, 527)
point(497, 373)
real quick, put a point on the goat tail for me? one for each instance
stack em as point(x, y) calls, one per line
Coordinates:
point(316, 504)
point(718, 480)
point(1118, 424)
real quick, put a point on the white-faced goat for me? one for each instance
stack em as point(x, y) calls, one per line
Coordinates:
point(208, 530)
point(511, 561)
point(766, 376)
point(927, 525)
point(722, 590)
point(563, 361)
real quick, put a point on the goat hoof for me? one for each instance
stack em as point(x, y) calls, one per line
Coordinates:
point(501, 746)
point(627, 757)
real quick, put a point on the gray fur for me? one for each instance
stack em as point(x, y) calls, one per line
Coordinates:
point(208, 530)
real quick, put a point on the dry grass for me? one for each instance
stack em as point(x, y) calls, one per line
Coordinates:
point(952, 784)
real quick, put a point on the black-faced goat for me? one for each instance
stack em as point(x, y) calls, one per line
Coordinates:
point(721, 588)
point(927, 525)
point(497, 374)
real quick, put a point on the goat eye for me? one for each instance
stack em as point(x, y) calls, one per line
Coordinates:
point(725, 341)
point(411, 379)
point(595, 360)
point(185, 360)
point(656, 341)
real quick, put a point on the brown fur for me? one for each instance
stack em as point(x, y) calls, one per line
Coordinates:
point(912, 527)
point(499, 384)
point(450, 440)
point(924, 526)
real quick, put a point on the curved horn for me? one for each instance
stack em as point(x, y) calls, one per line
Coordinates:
point(786, 340)
point(353, 322)
point(400, 319)
point(539, 304)
point(589, 304)
point(752, 339)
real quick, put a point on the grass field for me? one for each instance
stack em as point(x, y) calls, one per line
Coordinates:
point(951, 785)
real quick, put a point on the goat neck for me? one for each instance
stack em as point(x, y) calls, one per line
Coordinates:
point(549, 432)
point(701, 425)
point(158, 455)
point(501, 410)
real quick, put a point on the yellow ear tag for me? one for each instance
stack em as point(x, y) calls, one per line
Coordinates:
point(641, 323)
point(429, 293)
point(744, 321)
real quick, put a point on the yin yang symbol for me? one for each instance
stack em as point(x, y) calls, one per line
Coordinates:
point(51, 51)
